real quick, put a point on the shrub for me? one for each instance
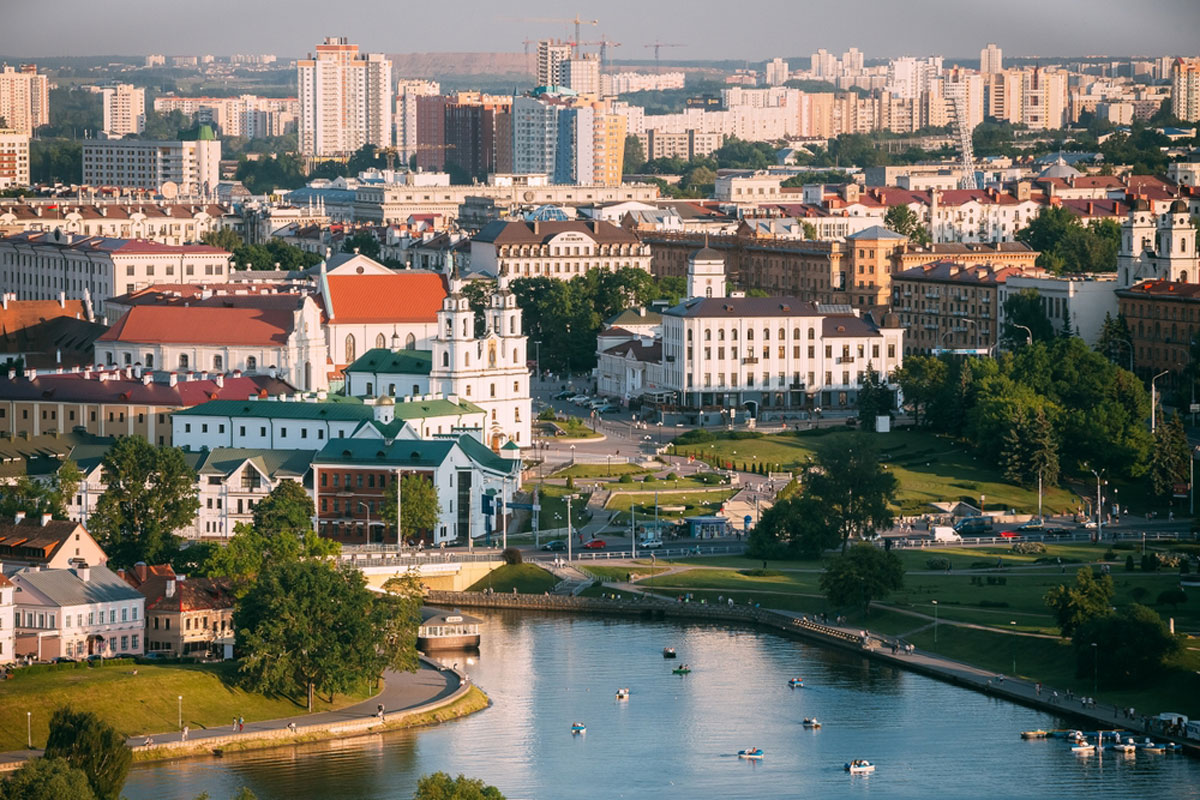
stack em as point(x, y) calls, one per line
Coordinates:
point(1139, 593)
point(1110, 555)
point(1029, 548)
point(1172, 597)
point(938, 563)
point(1129, 563)
point(671, 476)
point(625, 478)
point(1123, 546)
point(761, 573)
point(570, 483)
point(1150, 562)
point(511, 555)
point(710, 478)
point(548, 415)
point(698, 436)
point(993, 604)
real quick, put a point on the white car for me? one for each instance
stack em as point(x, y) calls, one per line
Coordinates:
point(580, 400)
point(651, 544)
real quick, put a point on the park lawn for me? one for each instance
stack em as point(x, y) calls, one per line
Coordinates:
point(618, 574)
point(554, 509)
point(964, 557)
point(575, 428)
point(525, 578)
point(693, 503)
point(747, 562)
point(1053, 663)
point(600, 470)
point(778, 582)
point(653, 484)
point(928, 467)
point(145, 703)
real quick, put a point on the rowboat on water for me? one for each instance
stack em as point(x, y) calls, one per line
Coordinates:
point(1038, 734)
point(752, 753)
point(796, 683)
point(859, 766)
point(578, 727)
point(622, 694)
point(811, 722)
point(668, 652)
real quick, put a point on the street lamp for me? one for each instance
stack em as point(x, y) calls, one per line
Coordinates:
point(1099, 507)
point(569, 498)
point(1095, 667)
point(572, 455)
point(1013, 622)
point(935, 620)
point(180, 698)
point(1154, 398)
point(29, 727)
point(367, 508)
point(659, 423)
point(1028, 332)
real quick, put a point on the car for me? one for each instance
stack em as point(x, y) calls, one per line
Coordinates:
point(1033, 526)
point(594, 544)
point(1011, 534)
point(1088, 524)
point(555, 546)
point(606, 408)
point(580, 400)
point(564, 395)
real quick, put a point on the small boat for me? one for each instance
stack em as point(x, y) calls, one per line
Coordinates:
point(578, 727)
point(622, 694)
point(796, 683)
point(859, 766)
point(752, 753)
point(1082, 746)
point(684, 670)
point(1123, 747)
point(1151, 746)
point(668, 652)
point(811, 722)
point(1038, 734)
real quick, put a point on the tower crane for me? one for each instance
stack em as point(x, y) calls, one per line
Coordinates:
point(658, 46)
point(577, 21)
point(603, 44)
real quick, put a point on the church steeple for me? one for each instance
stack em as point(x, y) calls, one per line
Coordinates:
point(706, 273)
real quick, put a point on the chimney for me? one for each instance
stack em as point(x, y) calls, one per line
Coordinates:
point(219, 380)
point(172, 379)
point(170, 587)
point(18, 518)
point(62, 299)
point(46, 519)
point(83, 571)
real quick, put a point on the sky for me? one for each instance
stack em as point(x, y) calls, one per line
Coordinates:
point(708, 29)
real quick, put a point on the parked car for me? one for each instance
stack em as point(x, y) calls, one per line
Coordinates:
point(564, 395)
point(605, 408)
point(580, 400)
point(555, 546)
point(974, 526)
point(594, 544)
point(1089, 524)
point(1010, 534)
point(1033, 526)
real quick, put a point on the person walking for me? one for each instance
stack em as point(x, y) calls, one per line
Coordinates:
point(241, 723)
point(183, 737)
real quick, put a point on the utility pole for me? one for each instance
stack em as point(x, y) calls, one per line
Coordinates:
point(570, 497)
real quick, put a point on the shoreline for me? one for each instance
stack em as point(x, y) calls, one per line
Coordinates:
point(929, 664)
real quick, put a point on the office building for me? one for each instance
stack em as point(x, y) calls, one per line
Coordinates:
point(582, 74)
point(124, 110)
point(345, 100)
point(407, 92)
point(167, 168)
point(1185, 89)
point(24, 98)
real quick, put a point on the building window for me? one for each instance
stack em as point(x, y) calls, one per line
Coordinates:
point(218, 363)
point(251, 364)
point(350, 348)
point(183, 361)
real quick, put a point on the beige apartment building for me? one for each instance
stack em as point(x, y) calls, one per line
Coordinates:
point(14, 159)
point(24, 98)
point(124, 109)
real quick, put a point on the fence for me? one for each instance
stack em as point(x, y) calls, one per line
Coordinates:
point(1075, 536)
point(646, 552)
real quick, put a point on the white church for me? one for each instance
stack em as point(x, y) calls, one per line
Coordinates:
point(1157, 247)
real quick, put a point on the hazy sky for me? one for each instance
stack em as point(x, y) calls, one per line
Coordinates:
point(708, 28)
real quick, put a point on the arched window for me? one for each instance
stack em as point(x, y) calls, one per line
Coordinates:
point(350, 349)
point(183, 361)
point(750, 334)
point(766, 334)
point(733, 334)
point(380, 341)
point(512, 326)
point(251, 364)
point(149, 360)
point(218, 364)
point(782, 334)
point(410, 343)
point(707, 335)
point(689, 334)
point(445, 359)
point(721, 335)
point(795, 333)
point(812, 333)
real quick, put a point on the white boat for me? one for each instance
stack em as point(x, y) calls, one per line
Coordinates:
point(859, 766)
point(622, 694)
point(578, 727)
point(796, 683)
point(751, 753)
point(1083, 747)
point(811, 722)
point(1122, 747)
point(1150, 746)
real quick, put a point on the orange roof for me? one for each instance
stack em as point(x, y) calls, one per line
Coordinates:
point(18, 314)
point(202, 325)
point(403, 297)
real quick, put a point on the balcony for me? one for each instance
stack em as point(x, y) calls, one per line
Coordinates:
point(750, 360)
point(845, 360)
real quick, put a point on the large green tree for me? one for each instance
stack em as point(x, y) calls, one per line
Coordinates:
point(1116, 341)
point(88, 743)
point(150, 493)
point(280, 535)
point(795, 527)
point(861, 574)
point(1130, 647)
point(635, 155)
point(405, 594)
point(47, 779)
point(853, 487)
point(309, 626)
point(1066, 245)
point(1031, 450)
point(921, 379)
point(904, 220)
point(1089, 597)
point(1170, 457)
point(875, 399)
point(287, 507)
point(420, 508)
point(1025, 308)
point(440, 786)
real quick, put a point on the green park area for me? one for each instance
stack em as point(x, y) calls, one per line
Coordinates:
point(677, 504)
point(929, 467)
point(142, 699)
point(525, 578)
point(600, 471)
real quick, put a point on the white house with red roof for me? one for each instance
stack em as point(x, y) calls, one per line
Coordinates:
point(43, 266)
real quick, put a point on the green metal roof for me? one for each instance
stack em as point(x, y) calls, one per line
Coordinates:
point(279, 409)
point(398, 453)
point(380, 360)
point(421, 409)
point(272, 463)
point(484, 457)
point(40, 455)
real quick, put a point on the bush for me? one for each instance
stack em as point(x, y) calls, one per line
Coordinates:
point(1139, 593)
point(511, 555)
point(1029, 548)
point(938, 563)
point(1172, 597)
point(1129, 563)
point(710, 478)
point(1123, 546)
point(1150, 562)
point(993, 604)
point(1110, 555)
point(671, 476)
point(625, 478)
point(761, 573)
point(548, 415)
point(570, 483)
point(698, 436)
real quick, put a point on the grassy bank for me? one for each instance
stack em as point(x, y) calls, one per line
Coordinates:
point(144, 703)
point(474, 700)
point(525, 578)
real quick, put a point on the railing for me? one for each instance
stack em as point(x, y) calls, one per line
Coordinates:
point(643, 552)
point(1084, 535)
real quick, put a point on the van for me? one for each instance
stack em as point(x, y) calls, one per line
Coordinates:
point(943, 533)
point(974, 526)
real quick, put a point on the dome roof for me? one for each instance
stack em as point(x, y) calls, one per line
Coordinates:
point(1140, 204)
point(707, 254)
point(1060, 169)
point(1179, 207)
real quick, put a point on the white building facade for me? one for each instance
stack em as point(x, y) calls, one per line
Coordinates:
point(169, 168)
point(345, 99)
point(124, 109)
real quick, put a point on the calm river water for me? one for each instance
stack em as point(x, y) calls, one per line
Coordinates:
point(677, 736)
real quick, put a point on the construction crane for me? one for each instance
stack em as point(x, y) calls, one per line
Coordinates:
point(657, 46)
point(577, 21)
point(956, 93)
point(603, 44)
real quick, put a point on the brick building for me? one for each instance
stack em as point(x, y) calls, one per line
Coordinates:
point(1163, 317)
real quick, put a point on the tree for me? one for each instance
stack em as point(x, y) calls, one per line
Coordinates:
point(921, 379)
point(287, 507)
point(904, 220)
point(1172, 597)
point(93, 746)
point(1031, 449)
point(1170, 456)
point(1067, 246)
point(855, 489)
point(47, 779)
point(1073, 606)
point(1025, 308)
point(363, 242)
point(224, 238)
point(419, 506)
point(404, 596)
point(861, 574)
point(310, 626)
point(795, 527)
point(151, 493)
point(1116, 341)
point(635, 155)
point(1131, 647)
point(875, 399)
point(440, 786)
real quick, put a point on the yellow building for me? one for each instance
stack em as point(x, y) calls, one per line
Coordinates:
point(608, 145)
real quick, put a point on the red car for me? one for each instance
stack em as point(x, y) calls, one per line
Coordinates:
point(1010, 534)
point(594, 544)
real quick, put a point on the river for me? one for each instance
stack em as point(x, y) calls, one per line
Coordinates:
point(677, 736)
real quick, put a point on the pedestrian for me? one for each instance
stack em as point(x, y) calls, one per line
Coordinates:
point(1038, 688)
point(185, 733)
point(291, 727)
point(235, 724)
point(241, 723)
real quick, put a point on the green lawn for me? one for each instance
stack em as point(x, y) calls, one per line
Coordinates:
point(599, 470)
point(525, 578)
point(928, 467)
point(620, 573)
point(554, 509)
point(693, 503)
point(144, 703)
point(575, 428)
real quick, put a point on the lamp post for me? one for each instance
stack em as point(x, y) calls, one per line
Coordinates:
point(1095, 667)
point(29, 727)
point(659, 423)
point(1099, 507)
point(1013, 622)
point(367, 508)
point(572, 455)
point(1028, 332)
point(180, 699)
point(569, 498)
point(982, 499)
point(1154, 398)
point(935, 620)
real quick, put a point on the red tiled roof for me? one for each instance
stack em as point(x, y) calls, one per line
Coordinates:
point(402, 297)
point(202, 325)
point(125, 247)
point(73, 387)
point(24, 313)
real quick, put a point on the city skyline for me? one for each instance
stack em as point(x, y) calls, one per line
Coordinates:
point(1070, 28)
